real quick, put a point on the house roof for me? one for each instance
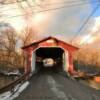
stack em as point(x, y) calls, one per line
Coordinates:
point(42, 40)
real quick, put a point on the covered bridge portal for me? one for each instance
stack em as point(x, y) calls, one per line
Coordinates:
point(49, 54)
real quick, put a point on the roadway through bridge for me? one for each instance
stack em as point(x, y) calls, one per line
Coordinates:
point(53, 86)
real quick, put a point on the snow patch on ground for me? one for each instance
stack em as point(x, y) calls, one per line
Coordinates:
point(9, 96)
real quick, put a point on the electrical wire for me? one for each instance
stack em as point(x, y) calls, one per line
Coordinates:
point(86, 21)
point(72, 1)
point(83, 25)
point(5, 4)
point(95, 1)
point(47, 3)
point(46, 10)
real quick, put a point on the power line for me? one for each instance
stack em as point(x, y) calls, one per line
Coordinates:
point(64, 2)
point(4, 4)
point(1, 6)
point(91, 35)
point(42, 1)
point(87, 39)
point(72, 1)
point(51, 9)
point(95, 1)
point(86, 21)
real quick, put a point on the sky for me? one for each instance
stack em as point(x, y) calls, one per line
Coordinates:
point(97, 14)
point(62, 23)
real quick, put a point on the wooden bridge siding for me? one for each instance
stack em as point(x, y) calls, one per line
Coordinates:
point(28, 58)
point(70, 50)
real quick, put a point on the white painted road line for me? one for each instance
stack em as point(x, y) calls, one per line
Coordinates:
point(54, 87)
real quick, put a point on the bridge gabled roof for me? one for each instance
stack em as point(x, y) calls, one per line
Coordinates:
point(47, 38)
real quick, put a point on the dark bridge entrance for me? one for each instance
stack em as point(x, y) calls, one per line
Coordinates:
point(49, 59)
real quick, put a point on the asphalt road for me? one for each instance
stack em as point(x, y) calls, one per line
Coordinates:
point(52, 86)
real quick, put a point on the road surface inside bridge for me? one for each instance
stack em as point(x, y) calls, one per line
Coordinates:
point(53, 86)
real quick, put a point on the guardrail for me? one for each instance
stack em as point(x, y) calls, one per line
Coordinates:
point(85, 76)
point(11, 86)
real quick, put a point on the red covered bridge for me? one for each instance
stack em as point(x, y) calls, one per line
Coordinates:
point(51, 51)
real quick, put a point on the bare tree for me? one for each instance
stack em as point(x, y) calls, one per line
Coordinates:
point(8, 38)
point(8, 42)
point(27, 36)
point(88, 56)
